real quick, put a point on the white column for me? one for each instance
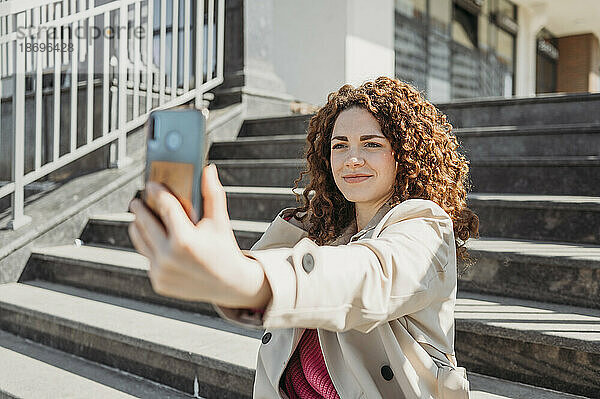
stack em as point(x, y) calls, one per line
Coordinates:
point(531, 20)
point(369, 40)
point(311, 61)
point(348, 41)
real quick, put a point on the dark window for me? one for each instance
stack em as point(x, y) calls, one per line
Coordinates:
point(464, 29)
point(546, 62)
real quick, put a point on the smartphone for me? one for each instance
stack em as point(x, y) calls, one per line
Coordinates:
point(176, 140)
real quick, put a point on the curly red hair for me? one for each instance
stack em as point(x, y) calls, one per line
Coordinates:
point(429, 165)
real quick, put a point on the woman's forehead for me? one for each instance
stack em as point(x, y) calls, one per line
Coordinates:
point(356, 122)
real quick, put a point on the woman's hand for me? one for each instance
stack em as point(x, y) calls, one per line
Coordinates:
point(201, 262)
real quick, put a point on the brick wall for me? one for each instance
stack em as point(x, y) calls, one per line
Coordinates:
point(578, 63)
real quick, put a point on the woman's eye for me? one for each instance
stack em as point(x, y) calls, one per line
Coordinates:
point(369, 144)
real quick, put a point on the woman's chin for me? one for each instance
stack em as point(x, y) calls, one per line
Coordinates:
point(357, 198)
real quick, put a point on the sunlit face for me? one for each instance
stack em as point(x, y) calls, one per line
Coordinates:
point(362, 160)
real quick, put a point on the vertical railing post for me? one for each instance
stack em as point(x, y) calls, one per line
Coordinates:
point(58, 62)
point(220, 38)
point(122, 159)
point(74, 41)
point(38, 103)
point(199, 24)
point(163, 45)
point(186, 45)
point(149, 56)
point(105, 73)
point(209, 39)
point(90, 79)
point(136, 62)
point(19, 219)
point(175, 49)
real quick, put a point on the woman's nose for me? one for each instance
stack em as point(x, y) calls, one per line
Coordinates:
point(353, 161)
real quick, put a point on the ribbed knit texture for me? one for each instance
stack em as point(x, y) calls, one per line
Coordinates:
point(306, 375)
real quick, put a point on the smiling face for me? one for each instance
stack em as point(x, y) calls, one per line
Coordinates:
point(362, 160)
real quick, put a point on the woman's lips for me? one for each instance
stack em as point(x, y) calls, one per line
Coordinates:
point(357, 179)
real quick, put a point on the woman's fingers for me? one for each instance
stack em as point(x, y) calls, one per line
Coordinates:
point(167, 207)
point(138, 241)
point(213, 195)
point(151, 231)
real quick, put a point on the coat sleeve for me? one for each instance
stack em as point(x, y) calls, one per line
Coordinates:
point(362, 284)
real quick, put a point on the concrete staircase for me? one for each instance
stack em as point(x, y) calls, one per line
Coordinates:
point(83, 320)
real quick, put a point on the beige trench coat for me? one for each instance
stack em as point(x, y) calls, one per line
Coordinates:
point(382, 301)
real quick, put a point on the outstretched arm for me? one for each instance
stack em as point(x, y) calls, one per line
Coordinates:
point(201, 262)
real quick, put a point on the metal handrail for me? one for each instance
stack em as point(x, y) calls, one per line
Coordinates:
point(129, 80)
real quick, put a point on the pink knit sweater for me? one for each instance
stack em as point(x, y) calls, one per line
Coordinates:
point(306, 375)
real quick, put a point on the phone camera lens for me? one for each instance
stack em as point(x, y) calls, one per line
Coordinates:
point(173, 140)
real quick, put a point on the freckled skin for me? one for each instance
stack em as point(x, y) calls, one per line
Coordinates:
point(372, 156)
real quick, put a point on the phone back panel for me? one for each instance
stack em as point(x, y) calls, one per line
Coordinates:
point(175, 155)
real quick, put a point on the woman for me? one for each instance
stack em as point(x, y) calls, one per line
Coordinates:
point(356, 288)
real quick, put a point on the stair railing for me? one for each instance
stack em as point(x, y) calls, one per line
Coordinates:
point(122, 55)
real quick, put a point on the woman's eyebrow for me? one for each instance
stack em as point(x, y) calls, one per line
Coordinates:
point(362, 138)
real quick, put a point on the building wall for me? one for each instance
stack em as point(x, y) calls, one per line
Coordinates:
point(310, 47)
point(321, 45)
point(369, 40)
point(578, 63)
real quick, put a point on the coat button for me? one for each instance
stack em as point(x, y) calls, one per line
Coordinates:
point(308, 263)
point(266, 338)
point(387, 373)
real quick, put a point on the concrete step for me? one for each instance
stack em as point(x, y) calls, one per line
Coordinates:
point(555, 218)
point(189, 352)
point(260, 147)
point(538, 217)
point(543, 140)
point(108, 270)
point(558, 272)
point(31, 370)
point(522, 216)
point(577, 175)
point(486, 387)
point(260, 172)
point(552, 109)
point(563, 273)
point(554, 346)
point(66, 376)
point(540, 110)
point(156, 342)
point(296, 124)
point(531, 175)
point(110, 230)
point(476, 142)
point(259, 204)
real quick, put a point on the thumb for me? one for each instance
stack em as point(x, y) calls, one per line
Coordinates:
point(213, 195)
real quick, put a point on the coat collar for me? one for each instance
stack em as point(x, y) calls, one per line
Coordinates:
point(349, 234)
point(383, 210)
